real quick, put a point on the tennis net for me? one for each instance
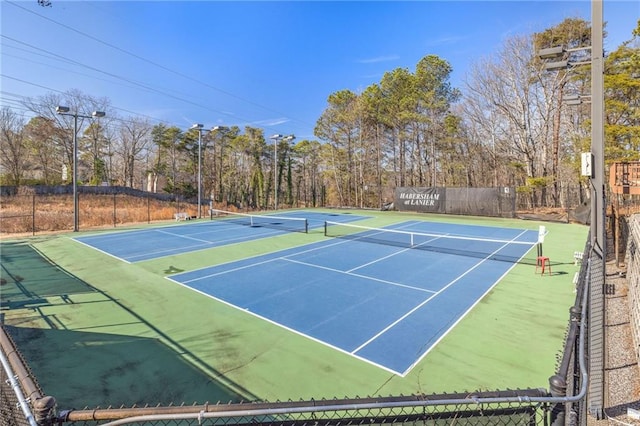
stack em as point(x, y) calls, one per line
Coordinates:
point(290, 224)
point(484, 248)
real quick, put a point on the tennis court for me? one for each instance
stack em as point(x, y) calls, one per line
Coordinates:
point(222, 229)
point(334, 316)
point(385, 296)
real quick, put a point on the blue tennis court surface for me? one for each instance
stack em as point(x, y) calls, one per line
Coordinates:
point(153, 243)
point(382, 303)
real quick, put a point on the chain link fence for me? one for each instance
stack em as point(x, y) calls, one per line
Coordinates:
point(24, 403)
point(29, 210)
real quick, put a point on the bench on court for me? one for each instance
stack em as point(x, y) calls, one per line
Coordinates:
point(181, 216)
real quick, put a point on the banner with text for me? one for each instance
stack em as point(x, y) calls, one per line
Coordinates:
point(420, 199)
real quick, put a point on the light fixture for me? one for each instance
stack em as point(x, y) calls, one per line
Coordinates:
point(551, 52)
point(64, 110)
point(275, 138)
point(558, 65)
point(199, 128)
point(222, 130)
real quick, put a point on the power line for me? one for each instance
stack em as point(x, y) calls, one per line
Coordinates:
point(160, 66)
point(21, 100)
point(135, 83)
point(147, 88)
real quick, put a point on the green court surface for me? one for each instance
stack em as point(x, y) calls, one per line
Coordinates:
point(97, 331)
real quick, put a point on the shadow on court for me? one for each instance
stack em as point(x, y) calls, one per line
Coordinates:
point(42, 305)
point(111, 369)
point(27, 275)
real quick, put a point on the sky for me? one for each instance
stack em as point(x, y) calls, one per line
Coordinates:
point(264, 64)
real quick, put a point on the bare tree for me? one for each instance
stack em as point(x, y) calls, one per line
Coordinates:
point(13, 158)
point(506, 90)
point(79, 104)
point(135, 138)
point(42, 141)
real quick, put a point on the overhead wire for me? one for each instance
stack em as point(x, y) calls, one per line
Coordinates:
point(160, 66)
point(19, 104)
point(133, 82)
point(66, 70)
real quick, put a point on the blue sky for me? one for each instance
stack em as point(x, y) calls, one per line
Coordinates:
point(266, 64)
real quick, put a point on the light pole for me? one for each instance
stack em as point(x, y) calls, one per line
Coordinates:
point(275, 138)
point(63, 110)
point(597, 270)
point(199, 128)
point(221, 129)
point(597, 228)
point(289, 139)
point(597, 128)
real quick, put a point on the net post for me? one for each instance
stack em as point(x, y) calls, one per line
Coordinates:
point(542, 231)
point(306, 226)
point(325, 228)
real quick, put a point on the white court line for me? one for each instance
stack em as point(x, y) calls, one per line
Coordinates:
point(341, 241)
point(126, 233)
point(393, 254)
point(464, 314)
point(230, 270)
point(287, 257)
point(168, 250)
point(351, 353)
point(186, 237)
point(100, 250)
point(292, 330)
point(181, 250)
point(402, 318)
point(357, 275)
point(257, 263)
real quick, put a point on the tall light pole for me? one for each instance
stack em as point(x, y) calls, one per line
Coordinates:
point(221, 129)
point(597, 300)
point(275, 138)
point(598, 234)
point(63, 110)
point(597, 270)
point(199, 128)
point(597, 170)
point(289, 138)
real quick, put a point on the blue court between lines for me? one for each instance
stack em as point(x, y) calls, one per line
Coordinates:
point(153, 243)
point(383, 303)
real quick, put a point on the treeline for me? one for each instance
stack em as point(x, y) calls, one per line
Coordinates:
point(510, 125)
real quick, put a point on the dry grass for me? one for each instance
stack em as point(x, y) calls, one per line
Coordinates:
point(28, 214)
